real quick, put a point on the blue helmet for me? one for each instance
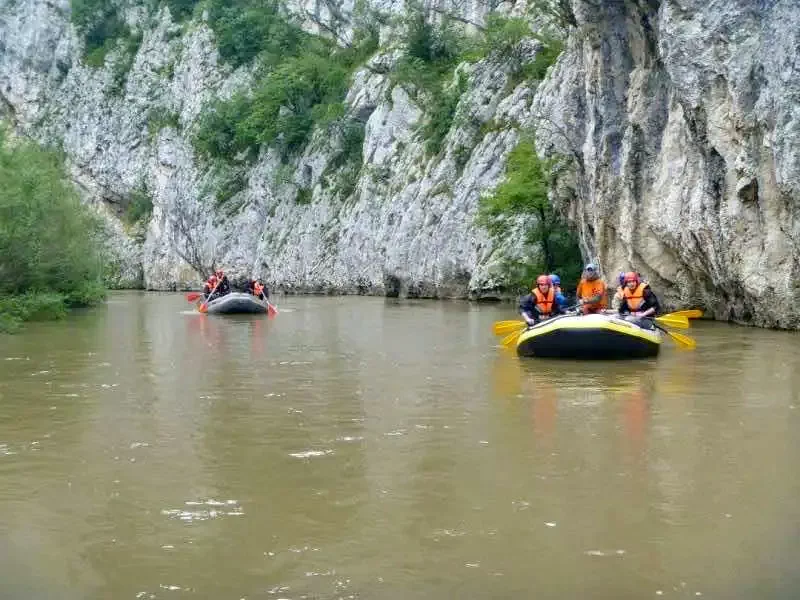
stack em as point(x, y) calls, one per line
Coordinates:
point(622, 279)
point(555, 279)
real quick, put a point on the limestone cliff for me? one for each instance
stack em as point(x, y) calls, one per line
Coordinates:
point(407, 226)
point(680, 119)
point(683, 119)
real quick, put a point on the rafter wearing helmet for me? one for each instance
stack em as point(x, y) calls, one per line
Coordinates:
point(638, 300)
point(540, 303)
point(591, 291)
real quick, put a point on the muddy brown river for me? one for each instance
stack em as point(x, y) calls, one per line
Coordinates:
point(373, 448)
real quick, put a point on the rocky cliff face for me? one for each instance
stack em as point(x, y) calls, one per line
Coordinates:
point(683, 119)
point(406, 228)
point(680, 118)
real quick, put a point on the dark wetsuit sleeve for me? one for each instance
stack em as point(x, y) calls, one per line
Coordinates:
point(527, 305)
point(623, 307)
point(650, 300)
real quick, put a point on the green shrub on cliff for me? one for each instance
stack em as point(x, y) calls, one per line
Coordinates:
point(49, 242)
point(101, 26)
point(301, 81)
point(523, 197)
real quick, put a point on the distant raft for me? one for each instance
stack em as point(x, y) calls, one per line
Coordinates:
point(589, 337)
point(237, 303)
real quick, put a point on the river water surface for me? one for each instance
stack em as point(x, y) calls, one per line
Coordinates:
point(371, 448)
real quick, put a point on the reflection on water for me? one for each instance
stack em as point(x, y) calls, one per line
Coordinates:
point(362, 447)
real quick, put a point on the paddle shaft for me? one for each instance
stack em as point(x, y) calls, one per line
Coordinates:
point(205, 303)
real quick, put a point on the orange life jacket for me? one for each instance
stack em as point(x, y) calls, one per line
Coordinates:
point(589, 289)
point(634, 298)
point(544, 303)
point(257, 289)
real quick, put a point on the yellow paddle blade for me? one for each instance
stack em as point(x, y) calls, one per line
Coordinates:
point(689, 314)
point(673, 321)
point(511, 338)
point(683, 340)
point(504, 327)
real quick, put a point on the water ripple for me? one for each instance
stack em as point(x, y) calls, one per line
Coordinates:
point(5, 450)
point(230, 508)
point(310, 453)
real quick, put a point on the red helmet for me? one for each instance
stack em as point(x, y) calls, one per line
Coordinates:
point(543, 280)
point(631, 276)
point(219, 273)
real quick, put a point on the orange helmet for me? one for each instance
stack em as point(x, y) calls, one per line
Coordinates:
point(631, 276)
point(543, 280)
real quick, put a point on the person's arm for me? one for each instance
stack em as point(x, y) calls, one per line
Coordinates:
point(623, 307)
point(527, 309)
point(594, 299)
point(650, 305)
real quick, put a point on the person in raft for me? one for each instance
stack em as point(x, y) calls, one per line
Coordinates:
point(540, 303)
point(638, 300)
point(561, 299)
point(210, 285)
point(219, 281)
point(257, 288)
point(591, 291)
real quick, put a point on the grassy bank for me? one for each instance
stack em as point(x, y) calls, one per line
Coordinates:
point(50, 257)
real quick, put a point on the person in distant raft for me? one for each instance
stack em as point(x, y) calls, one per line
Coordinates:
point(540, 303)
point(209, 286)
point(257, 288)
point(638, 300)
point(222, 284)
point(591, 291)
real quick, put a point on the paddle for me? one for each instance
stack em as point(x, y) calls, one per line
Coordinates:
point(193, 296)
point(689, 314)
point(673, 321)
point(504, 327)
point(682, 340)
point(512, 338)
point(204, 306)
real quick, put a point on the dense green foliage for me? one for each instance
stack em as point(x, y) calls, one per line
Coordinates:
point(441, 116)
point(247, 29)
point(302, 81)
point(139, 208)
point(524, 195)
point(49, 242)
point(100, 24)
point(103, 29)
point(180, 9)
point(434, 50)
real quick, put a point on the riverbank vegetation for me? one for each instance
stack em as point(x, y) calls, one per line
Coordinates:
point(523, 199)
point(50, 258)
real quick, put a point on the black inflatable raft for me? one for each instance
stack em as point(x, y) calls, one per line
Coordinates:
point(237, 303)
point(589, 337)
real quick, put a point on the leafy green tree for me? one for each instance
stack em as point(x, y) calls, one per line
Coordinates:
point(49, 242)
point(523, 196)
